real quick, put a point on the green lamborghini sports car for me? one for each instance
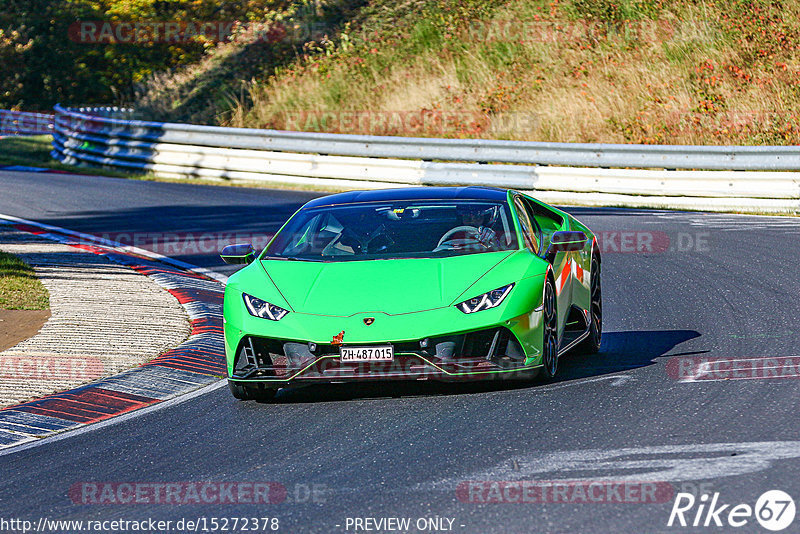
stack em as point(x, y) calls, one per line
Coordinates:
point(437, 283)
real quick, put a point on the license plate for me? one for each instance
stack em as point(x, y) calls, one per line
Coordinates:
point(383, 353)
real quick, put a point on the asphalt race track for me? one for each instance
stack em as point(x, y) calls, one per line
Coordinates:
point(720, 287)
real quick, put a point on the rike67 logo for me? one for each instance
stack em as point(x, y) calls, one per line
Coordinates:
point(774, 510)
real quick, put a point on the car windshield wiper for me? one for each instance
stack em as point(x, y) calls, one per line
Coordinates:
point(317, 260)
point(291, 258)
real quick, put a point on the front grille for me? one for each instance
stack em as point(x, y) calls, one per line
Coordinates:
point(264, 357)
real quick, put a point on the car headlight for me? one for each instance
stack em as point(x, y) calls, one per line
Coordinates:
point(263, 309)
point(487, 301)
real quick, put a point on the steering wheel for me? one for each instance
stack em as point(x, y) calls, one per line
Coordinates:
point(450, 233)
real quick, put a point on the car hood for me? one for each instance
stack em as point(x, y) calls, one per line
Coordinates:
point(388, 286)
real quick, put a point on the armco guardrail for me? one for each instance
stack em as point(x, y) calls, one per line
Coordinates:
point(181, 150)
point(24, 123)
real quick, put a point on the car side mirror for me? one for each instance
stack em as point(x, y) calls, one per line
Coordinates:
point(239, 254)
point(565, 242)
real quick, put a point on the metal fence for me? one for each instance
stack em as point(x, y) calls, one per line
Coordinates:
point(353, 161)
point(24, 123)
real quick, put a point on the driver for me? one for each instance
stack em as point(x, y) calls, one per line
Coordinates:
point(472, 215)
point(471, 229)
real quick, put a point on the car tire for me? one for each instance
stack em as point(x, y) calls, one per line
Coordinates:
point(549, 331)
point(591, 345)
point(244, 392)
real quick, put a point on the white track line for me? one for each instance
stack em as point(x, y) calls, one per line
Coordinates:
point(174, 401)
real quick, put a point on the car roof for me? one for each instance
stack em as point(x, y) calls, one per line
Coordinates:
point(411, 193)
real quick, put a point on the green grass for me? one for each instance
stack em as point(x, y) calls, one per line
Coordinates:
point(19, 287)
point(30, 150)
point(614, 71)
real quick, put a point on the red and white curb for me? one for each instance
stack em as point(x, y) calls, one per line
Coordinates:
point(195, 363)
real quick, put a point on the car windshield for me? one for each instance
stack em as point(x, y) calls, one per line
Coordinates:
point(396, 229)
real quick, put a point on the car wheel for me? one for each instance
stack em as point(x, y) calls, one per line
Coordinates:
point(549, 332)
point(591, 344)
point(244, 392)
